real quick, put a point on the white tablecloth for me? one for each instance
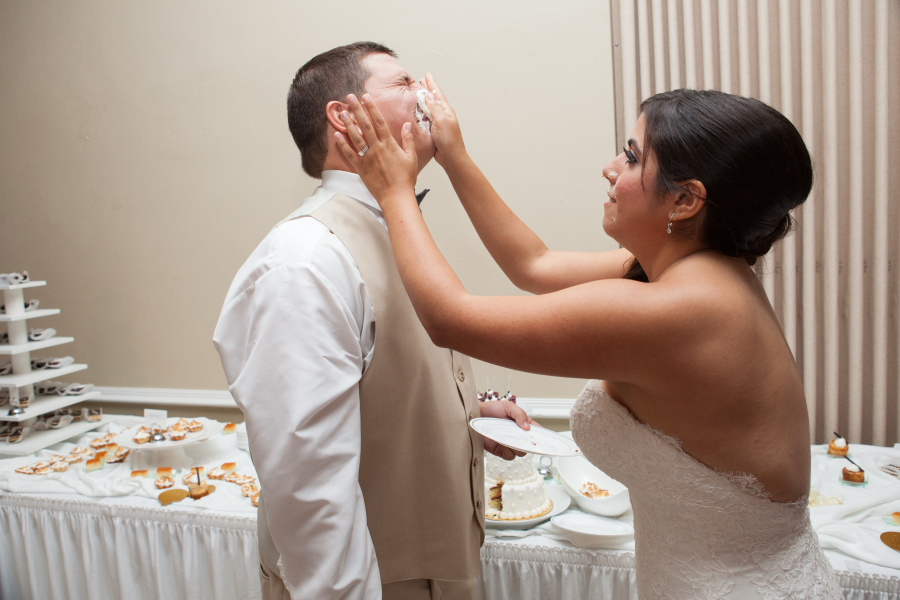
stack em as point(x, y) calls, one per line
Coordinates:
point(68, 546)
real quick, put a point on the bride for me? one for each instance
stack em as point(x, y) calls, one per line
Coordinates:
point(695, 401)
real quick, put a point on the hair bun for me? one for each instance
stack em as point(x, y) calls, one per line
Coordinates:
point(762, 244)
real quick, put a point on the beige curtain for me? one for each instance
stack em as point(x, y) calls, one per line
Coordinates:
point(833, 67)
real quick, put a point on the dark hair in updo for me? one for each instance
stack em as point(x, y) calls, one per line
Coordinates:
point(749, 156)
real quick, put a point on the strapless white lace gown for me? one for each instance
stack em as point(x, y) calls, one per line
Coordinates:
point(699, 532)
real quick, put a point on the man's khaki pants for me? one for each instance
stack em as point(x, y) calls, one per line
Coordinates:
point(273, 587)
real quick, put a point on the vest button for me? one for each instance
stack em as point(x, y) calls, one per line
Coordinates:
point(478, 504)
point(475, 464)
point(461, 376)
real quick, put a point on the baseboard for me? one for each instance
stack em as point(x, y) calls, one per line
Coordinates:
point(538, 408)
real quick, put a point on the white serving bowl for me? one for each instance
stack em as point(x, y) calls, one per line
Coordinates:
point(575, 471)
point(591, 531)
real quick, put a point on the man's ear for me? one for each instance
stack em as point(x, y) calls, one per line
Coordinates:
point(691, 200)
point(333, 113)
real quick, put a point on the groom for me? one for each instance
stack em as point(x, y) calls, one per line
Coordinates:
point(358, 424)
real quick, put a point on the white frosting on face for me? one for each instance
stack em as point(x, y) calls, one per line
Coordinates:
point(840, 443)
point(423, 113)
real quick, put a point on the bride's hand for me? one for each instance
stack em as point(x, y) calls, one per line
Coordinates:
point(388, 169)
point(445, 130)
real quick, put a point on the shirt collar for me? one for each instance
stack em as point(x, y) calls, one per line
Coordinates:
point(349, 184)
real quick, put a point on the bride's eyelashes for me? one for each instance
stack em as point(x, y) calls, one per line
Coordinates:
point(629, 155)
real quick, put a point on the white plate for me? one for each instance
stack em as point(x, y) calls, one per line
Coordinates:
point(537, 440)
point(560, 500)
point(575, 471)
point(589, 531)
point(210, 428)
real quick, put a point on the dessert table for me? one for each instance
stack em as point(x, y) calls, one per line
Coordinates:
point(108, 537)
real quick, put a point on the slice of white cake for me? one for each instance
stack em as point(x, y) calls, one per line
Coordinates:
point(513, 490)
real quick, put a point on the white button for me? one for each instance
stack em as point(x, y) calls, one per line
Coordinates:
point(461, 376)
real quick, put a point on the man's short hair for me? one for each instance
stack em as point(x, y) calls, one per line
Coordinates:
point(329, 76)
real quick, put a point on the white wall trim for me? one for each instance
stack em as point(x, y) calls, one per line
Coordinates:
point(538, 408)
point(166, 396)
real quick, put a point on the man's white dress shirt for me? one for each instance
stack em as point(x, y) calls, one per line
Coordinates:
point(296, 333)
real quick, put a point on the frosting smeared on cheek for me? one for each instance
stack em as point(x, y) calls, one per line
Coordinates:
point(423, 113)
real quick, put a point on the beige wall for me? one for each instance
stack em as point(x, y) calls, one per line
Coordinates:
point(145, 152)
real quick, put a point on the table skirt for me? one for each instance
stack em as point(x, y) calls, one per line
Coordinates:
point(69, 549)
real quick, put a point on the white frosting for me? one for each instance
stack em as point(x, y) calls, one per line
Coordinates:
point(423, 113)
point(852, 469)
point(840, 443)
point(522, 493)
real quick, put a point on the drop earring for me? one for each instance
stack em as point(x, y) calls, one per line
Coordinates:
point(669, 229)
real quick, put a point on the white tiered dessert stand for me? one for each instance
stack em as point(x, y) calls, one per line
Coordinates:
point(21, 382)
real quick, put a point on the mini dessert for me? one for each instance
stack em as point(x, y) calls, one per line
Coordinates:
point(191, 475)
point(79, 451)
point(216, 473)
point(26, 470)
point(854, 474)
point(74, 458)
point(60, 467)
point(895, 517)
point(164, 482)
point(111, 448)
point(57, 458)
point(239, 479)
point(230, 428)
point(838, 447)
point(142, 436)
point(250, 489)
point(592, 490)
point(97, 443)
point(42, 464)
point(102, 455)
point(423, 113)
point(255, 499)
point(165, 472)
point(513, 489)
point(177, 434)
point(229, 467)
point(195, 426)
point(16, 434)
point(93, 464)
point(42, 470)
point(94, 414)
point(141, 473)
point(120, 455)
point(197, 491)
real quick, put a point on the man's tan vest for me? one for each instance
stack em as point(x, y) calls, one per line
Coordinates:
point(421, 470)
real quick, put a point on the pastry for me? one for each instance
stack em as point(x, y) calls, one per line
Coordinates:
point(74, 458)
point(60, 466)
point(142, 436)
point(592, 490)
point(26, 470)
point(164, 482)
point(93, 464)
point(838, 447)
point(230, 428)
point(97, 443)
point(229, 467)
point(141, 473)
point(191, 475)
point(120, 455)
point(165, 472)
point(854, 474)
point(195, 426)
point(250, 489)
point(216, 473)
point(177, 434)
point(43, 470)
point(239, 479)
point(513, 489)
point(255, 499)
point(102, 455)
point(94, 414)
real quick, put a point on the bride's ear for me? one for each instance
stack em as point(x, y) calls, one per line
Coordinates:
point(333, 113)
point(691, 199)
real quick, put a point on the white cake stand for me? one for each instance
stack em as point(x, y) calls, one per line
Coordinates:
point(169, 453)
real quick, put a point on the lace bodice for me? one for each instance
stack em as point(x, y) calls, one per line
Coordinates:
point(699, 532)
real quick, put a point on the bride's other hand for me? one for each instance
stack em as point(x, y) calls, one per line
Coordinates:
point(504, 409)
point(445, 130)
point(388, 169)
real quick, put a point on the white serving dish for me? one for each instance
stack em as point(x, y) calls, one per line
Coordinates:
point(560, 500)
point(589, 531)
point(575, 471)
point(210, 428)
